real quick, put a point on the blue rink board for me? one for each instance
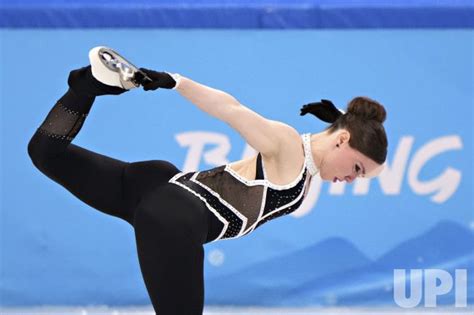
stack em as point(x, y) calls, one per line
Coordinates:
point(272, 14)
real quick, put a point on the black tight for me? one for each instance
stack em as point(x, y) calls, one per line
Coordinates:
point(170, 225)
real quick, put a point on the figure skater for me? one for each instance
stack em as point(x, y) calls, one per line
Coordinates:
point(174, 213)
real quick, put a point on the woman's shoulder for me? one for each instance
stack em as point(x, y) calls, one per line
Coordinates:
point(288, 161)
point(288, 139)
point(291, 144)
point(291, 135)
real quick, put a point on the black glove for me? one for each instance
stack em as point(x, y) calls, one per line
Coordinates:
point(324, 110)
point(152, 80)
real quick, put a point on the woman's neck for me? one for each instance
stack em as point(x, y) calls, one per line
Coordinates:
point(320, 144)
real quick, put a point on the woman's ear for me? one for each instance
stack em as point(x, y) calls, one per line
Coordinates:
point(343, 137)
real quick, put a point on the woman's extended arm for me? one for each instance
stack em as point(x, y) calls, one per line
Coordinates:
point(215, 102)
point(264, 135)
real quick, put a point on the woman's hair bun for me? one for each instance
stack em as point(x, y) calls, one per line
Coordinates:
point(367, 108)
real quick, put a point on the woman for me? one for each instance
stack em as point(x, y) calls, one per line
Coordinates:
point(175, 213)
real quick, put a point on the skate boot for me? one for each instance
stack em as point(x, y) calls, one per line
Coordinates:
point(110, 68)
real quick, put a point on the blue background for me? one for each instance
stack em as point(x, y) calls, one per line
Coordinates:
point(57, 250)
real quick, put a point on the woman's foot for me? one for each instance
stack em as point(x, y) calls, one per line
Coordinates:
point(82, 82)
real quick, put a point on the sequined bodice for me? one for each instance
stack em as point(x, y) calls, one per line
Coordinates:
point(242, 205)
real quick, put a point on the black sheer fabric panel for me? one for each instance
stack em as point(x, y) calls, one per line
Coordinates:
point(246, 199)
point(62, 123)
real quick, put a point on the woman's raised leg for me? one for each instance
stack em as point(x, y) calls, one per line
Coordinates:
point(93, 178)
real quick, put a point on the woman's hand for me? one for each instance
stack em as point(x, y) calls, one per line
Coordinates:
point(152, 80)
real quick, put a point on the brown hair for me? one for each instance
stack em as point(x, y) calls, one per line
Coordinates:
point(363, 119)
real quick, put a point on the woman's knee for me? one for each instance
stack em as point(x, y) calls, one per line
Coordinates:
point(43, 149)
point(36, 150)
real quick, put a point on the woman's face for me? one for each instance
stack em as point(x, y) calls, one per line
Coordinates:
point(343, 163)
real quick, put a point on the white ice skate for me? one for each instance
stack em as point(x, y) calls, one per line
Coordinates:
point(110, 68)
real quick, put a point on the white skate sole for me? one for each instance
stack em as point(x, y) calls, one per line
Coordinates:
point(110, 68)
